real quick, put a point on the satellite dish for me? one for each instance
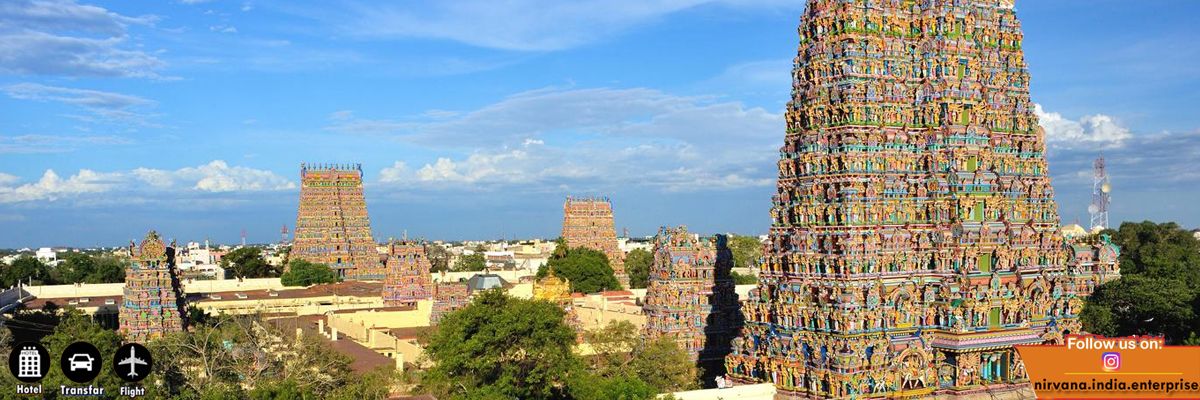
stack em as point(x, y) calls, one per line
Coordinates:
point(1093, 209)
point(1106, 187)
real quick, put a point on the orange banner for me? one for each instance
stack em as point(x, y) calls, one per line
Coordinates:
point(1096, 367)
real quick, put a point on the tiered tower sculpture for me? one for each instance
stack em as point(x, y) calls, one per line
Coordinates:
point(407, 279)
point(332, 227)
point(153, 304)
point(690, 296)
point(588, 222)
point(448, 297)
point(915, 232)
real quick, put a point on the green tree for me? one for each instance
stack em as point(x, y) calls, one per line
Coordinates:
point(304, 273)
point(586, 269)
point(471, 262)
point(439, 257)
point(665, 366)
point(637, 266)
point(501, 347)
point(107, 269)
point(376, 384)
point(747, 250)
point(78, 327)
point(739, 279)
point(1158, 292)
point(1140, 305)
point(1158, 250)
point(622, 352)
point(73, 268)
point(26, 268)
point(247, 262)
point(87, 268)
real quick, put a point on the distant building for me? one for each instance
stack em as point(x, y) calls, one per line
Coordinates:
point(46, 255)
point(407, 279)
point(153, 302)
point(447, 297)
point(332, 226)
point(588, 222)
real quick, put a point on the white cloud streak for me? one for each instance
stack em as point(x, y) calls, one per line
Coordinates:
point(109, 106)
point(521, 25)
point(215, 177)
point(63, 38)
point(551, 139)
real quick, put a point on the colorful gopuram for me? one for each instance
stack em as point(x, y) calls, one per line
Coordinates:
point(407, 279)
point(332, 227)
point(588, 222)
point(153, 303)
point(914, 237)
point(690, 296)
point(447, 297)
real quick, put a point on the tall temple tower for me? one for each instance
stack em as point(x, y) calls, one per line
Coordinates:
point(588, 222)
point(408, 279)
point(915, 232)
point(332, 226)
point(690, 296)
point(153, 304)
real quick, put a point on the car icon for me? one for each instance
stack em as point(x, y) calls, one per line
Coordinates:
point(81, 361)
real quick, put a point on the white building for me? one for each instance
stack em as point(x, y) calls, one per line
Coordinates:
point(47, 255)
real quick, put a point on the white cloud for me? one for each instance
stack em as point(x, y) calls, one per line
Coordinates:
point(522, 25)
point(216, 176)
point(1097, 131)
point(7, 179)
point(394, 173)
point(54, 143)
point(105, 105)
point(141, 184)
point(61, 37)
point(52, 187)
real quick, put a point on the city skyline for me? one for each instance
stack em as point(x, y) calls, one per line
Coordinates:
point(192, 117)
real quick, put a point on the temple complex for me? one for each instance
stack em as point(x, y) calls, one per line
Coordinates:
point(332, 227)
point(914, 237)
point(690, 296)
point(408, 279)
point(153, 301)
point(588, 222)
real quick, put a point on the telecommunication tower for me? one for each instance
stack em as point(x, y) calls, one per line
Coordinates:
point(243, 237)
point(1100, 189)
point(283, 234)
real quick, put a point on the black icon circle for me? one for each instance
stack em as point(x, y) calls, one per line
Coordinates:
point(29, 362)
point(81, 362)
point(133, 362)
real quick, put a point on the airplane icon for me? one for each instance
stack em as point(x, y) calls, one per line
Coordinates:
point(132, 361)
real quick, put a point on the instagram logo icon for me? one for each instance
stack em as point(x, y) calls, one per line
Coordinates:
point(1111, 361)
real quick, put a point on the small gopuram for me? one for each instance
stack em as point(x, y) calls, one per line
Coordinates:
point(690, 296)
point(407, 279)
point(447, 297)
point(914, 237)
point(588, 222)
point(153, 302)
point(332, 227)
point(552, 288)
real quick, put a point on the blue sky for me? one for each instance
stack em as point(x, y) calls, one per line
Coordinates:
point(474, 119)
